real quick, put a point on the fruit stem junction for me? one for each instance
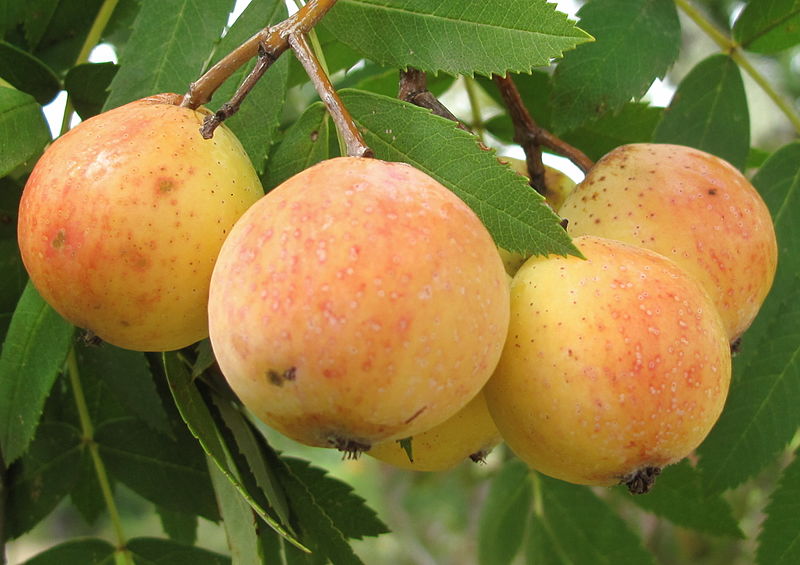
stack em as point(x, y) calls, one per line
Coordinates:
point(641, 480)
point(414, 89)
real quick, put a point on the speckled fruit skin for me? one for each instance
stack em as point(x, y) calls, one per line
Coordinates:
point(358, 302)
point(469, 434)
point(690, 206)
point(613, 364)
point(122, 218)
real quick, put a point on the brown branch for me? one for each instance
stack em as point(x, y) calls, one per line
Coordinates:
point(414, 89)
point(532, 137)
point(354, 142)
point(273, 40)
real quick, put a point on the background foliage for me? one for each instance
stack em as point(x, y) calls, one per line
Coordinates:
point(103, 447)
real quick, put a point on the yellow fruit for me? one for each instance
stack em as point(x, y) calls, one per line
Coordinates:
point(614, 367)
point(558, 184)
point(469, 434)
point(690, 206)
point(358, 302)
point(123, 216)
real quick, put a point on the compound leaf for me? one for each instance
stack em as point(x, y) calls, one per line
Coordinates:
point(23, 129)
point(768, 26)
point(779, 541)
point(504, 518)
point(76, 552)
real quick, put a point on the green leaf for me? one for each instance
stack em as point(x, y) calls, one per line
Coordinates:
point(153, 551)
point(76, 552)
point(201, 423)
point(87, 86)
point(23, 129)
point(179, 526)
point(304, 144)
point(43, 477)
point(779, 540)
point(238, 519)
point(205, 358)
point(515, 214)
point(455, 37)
point(504, 517)
point(11, 15)
point(761, 415)
point(768, 26)
point(128, 377)
point(257, 120)
point(169, 43)
point(680, 498)
point(348, 511)
point(636, 42)
point(14, 277)
point(27, 73)
point(172, 474)
point(581, 528)
point(33, 353)
point(87, 494)
point(709, 112)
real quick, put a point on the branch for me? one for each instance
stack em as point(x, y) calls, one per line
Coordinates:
point(273, 40)
point(414, 89)
point(354, 142)
point(532, 137)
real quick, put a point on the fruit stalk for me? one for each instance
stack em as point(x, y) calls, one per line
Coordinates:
point(354, 142)
point(414, 89)
point(274, 39)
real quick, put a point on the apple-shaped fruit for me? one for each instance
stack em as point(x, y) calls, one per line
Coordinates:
point(360, 301)
point(122, 218)
point(614, 367)
point(690, 206)
point(469, 434)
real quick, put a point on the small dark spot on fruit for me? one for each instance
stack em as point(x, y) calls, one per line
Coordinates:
point(59, 240)
point(277, 378)
point(712, 191)
point(415, 414)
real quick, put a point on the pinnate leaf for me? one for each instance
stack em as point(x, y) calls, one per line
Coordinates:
point(23, 129)
point(636, 41)
point(512, 212)
point(581, 528)
point(154, 551)
point(504, 518)
point(768, 26)
point(709, 112)
point(169, 44)
point(761, 415)
point(304, 144)
point(779, 542)
point(28, 73)
point(34, 350)
point(76, 552)
point(455, 37)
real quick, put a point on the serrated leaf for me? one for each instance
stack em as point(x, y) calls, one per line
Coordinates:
point(127, 375)
point(709, 111)
point(504, 517)
point(582, 528)
point(87, 494)
point(154, 551)
point(205, 358)
point(33, 353)
point(23, 129)
point(257, 120)
point(514, 214)
point(304, 144)
point(43, 477)
point(172, 474)
point(636, 42)
point(680, 498)
point(779, 540)
point(238, 519)
point(169, 43)
point(348, 511)
point(179, 526)
point(76, 552)
point(761, 415)
point(768, 26)
point(201, 423)
point(455, 37)
point(87, 86)
point(27, 73)
point(14, 277)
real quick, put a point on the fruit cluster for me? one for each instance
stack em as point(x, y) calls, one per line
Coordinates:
point(361, 302)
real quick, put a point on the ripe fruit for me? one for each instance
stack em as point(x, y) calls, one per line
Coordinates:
point(358, 302)
point(470, 433)
point(122, 219)
point(614, 367)
point(558, 184)
point(692, 207)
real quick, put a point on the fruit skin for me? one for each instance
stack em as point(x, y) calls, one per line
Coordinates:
point(123, 216)
point(614, 365)
point(358, 302)
point(690, 206)
point(469, 434)
point(558, 184)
